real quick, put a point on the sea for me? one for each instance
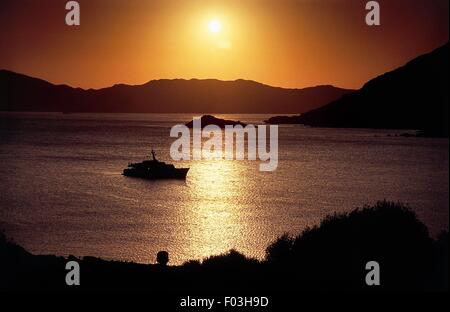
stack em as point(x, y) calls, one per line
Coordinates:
point(62, 191)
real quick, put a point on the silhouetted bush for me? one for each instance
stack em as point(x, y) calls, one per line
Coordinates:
point(439, 280)
point(9, 250)
point(330, 256)
point(281, 249)
point(12, 258)
point(335, 252)
point(3, 240)
point(192, 264)
point(230, 260)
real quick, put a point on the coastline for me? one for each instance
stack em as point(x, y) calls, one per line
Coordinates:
point(327, 257)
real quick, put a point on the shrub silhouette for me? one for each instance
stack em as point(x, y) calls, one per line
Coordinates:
point(12, 259)
point(9, 250)
point(232, 270)
point(334, 254)
point(230, 260)
point(192, 264)
point(439, 280)
point(330, 256)
point(280, 250)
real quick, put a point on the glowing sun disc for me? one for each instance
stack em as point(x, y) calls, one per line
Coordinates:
point(214, 26)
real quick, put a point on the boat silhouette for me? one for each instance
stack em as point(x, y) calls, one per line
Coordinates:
point(154, 169)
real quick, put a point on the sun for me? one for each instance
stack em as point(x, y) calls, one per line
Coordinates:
point(214, 26)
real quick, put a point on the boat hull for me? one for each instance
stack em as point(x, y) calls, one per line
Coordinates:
point(177, 173)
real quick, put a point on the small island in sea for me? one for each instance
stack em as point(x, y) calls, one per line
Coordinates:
point(207, 120)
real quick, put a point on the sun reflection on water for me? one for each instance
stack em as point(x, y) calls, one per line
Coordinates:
point(215, 219)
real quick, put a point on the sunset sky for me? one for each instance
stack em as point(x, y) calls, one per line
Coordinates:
point(281, 43)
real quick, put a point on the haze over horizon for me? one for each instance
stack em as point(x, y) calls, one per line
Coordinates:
point(289, 44)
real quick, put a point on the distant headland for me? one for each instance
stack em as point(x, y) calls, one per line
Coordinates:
point(414, 96)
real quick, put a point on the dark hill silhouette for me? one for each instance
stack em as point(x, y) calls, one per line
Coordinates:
point(330, 256)
point(22, 93)
point(414, 96)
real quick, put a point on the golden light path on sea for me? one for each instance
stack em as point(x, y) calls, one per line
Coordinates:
point(216, 218)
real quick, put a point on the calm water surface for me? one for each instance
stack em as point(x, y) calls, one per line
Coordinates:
point(62, 192)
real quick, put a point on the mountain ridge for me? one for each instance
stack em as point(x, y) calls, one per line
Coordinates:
point(20, 92)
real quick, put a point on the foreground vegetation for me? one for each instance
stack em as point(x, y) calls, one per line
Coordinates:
point(330, 256)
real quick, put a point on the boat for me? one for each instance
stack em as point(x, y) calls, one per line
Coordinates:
point(154, 169)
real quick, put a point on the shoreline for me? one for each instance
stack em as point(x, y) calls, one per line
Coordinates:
point(326, 257)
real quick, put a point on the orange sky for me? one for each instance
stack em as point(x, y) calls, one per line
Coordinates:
point(282, 43)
